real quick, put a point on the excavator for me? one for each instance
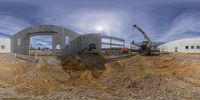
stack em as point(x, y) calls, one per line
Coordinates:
point(147, 47)
point(93, 48)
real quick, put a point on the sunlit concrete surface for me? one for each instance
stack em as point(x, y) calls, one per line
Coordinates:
point(21, 40)
point(188, 45)
point(5, 45)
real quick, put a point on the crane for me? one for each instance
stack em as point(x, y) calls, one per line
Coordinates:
point(143, 33)
point(148, 46)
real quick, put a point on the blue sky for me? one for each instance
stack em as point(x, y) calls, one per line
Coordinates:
point(163, 20)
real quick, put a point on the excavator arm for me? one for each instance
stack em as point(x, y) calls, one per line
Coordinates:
point(143, 33)
point(147, 47)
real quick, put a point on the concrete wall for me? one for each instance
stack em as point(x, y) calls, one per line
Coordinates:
point(111, 41)
point(20, 42)
point(5, 45)
point(180, 46)
point(85, 40)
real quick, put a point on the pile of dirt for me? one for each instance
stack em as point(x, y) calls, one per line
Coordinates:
point(93, 64)
point(83, 62)
point(164, 77)
point(74, 63)
point(47, 77)
point(11, 67)
point(167, 76)
point(41, 80)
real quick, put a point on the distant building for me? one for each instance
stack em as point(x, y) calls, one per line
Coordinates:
point(188, 45)
point(5, 45)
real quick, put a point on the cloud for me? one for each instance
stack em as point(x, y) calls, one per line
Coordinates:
point(10, 25)
point(5, 35)
point(21, 9)
point(41, 41)
point(17, 15)
point(86, 21)
point(187, 22)
point(111, 21)
point(116, 16)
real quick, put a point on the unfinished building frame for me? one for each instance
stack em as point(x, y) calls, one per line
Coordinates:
point(113, 41)
point(85, 40)
point(20, 42)
point(68, 41)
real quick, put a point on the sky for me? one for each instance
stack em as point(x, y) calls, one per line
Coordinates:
point(162, 20)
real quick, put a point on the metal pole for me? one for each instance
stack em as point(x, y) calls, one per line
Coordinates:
point(110, 42)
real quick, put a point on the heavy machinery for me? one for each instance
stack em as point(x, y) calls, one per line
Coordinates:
point(125, 50)
point(93, 48)
point(147, 47)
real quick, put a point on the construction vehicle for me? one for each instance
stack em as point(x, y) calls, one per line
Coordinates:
point(147, 47)
point(125, 50)
point(93, 48)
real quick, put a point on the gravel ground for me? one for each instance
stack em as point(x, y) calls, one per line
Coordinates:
point(165, 77)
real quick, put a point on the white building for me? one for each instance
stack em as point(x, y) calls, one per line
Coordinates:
point(188, 45)
point(5, 45)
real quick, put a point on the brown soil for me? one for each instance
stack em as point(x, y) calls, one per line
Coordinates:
point(165, 77)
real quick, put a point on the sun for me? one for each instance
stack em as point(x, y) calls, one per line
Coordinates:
point(99, 28)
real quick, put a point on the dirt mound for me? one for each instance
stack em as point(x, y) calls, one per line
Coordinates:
point(83, 62)
point(46, 77)
point(73, 62)
point(41, 80)
point(168, 76)
point(92, 63)
point(165, 77)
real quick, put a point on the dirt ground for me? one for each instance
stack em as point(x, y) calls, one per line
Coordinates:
point(164, 77)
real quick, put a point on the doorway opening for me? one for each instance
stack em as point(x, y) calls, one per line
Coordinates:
point(41, 44)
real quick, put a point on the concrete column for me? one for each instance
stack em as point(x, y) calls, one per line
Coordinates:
point(53, 45)
point(24, 47)
point(27, 45)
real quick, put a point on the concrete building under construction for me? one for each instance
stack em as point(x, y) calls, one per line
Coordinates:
point(188, 45)
point(5, 45)
point(74, 43)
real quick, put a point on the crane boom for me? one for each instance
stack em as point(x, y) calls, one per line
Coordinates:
point(143, 33)
point(147, 47)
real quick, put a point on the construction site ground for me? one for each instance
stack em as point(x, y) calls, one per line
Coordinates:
point(83, 77)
